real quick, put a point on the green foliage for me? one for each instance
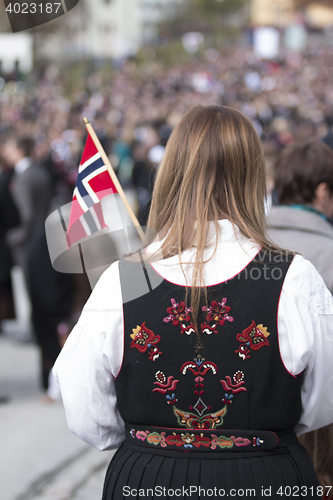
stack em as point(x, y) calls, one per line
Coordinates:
point(299, 4)
point(215, 7)
point(220, 21)
point(207, 16)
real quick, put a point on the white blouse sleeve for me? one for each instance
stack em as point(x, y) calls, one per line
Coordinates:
point(305, 325)
point(88, 363)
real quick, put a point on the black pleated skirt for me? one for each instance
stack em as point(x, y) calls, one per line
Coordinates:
point(135, 473)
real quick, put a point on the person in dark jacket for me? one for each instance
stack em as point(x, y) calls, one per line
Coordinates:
point(304, 184)
point(50, 292)
point(328, 139)
point(31, 190)
point(9, 218)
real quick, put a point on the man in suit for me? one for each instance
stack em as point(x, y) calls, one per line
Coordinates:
point(50, 292)
point(31, 190)
point(9, 218)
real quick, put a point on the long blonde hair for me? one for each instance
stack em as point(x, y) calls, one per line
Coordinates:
point(213, 168)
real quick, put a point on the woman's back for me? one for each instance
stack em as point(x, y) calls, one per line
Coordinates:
point(171, 377)
point(225, 421)
point(215, 412)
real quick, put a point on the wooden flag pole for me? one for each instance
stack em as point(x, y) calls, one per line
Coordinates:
point(114, 178)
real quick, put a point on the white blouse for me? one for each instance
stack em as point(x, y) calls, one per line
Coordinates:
point(92, 355)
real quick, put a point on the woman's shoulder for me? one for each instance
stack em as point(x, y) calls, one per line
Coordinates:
point(303, 281)
point(105, 291)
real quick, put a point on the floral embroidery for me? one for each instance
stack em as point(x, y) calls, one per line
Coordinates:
point(199, 368)
point(227, 399)
point(199, 385)
point(156, 439)
point(205, 328)
point(253, 337)
point(154, 353)
point(209, 421)
point(238, 376)
point(143, 338)
point(257, 441)
point(166, 385)
point(188, 441)
point(199, 345)
point(234, 388)
point(221, 442)
point(199, 363)
point(177, 313)
point(218, 312)
point(187, 329)
point(171, 400)
point(200, 407)
point(141, 435)
point(241, 441)
point(160, 377)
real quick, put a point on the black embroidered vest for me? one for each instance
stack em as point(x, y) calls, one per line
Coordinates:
point(233, 378)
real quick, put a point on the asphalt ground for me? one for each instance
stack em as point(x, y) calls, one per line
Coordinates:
point(40, 458)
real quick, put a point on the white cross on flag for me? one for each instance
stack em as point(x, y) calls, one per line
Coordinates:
point(93, 183)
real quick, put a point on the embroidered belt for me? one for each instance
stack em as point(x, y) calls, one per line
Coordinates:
point(207, 440)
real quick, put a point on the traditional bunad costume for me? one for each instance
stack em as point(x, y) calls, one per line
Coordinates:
point(217, 411)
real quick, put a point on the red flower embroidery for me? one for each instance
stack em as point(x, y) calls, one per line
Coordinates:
point(142, 338)
point(177, 313)
point(218, 312)
point(253, 337)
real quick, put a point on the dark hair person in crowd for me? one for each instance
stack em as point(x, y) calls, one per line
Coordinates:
point(200, 360)
point(328, 139)
point(304, 183)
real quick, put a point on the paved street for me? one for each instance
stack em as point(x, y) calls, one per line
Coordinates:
point(40, 459)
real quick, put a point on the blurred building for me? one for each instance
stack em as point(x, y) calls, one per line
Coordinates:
point(271, 12)
point(16, 52)
point(104, 29)
point(281, 13)
point(151, 12)
point(112, 28)
point(320, 15)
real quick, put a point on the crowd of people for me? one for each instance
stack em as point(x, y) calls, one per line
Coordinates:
point(134, 110)
point(135, 107)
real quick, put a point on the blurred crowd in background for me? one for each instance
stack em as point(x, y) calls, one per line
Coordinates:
point(135, 108)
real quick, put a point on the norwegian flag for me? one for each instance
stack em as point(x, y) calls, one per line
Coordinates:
point(93, 183)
